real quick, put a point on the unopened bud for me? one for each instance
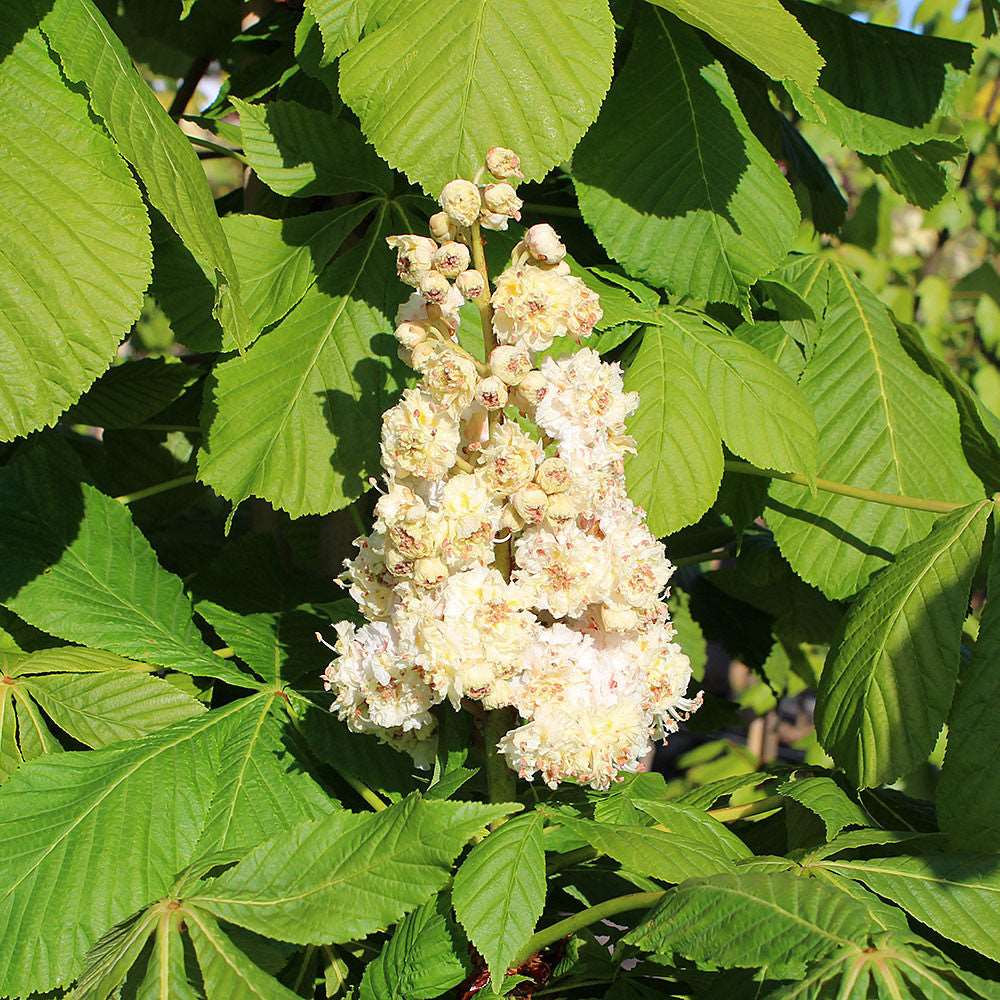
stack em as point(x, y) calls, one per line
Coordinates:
point(510, 363)
point(543, 244)
point(510, 520)
point(451, 259)
point(434, 287)
point(553, 475)
point(561, 510)
point(461, 200)
point(411, 334)
point(530, 504)
point(503, 200)
point(470, 284)
point(429, 572)
point(503, 163)
point(619, 619)
point(423, 353)
point(413, 256)
point(532, 388)
point(492, 393)
point(495, 221)
point(443, 227)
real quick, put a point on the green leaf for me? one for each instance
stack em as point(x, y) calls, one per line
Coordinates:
point(341, 23)
point(890, 674)
point(676, 471)
point(968, 794)
point(883, 425)
point(499, 891)
point(776, 343)
point(824, 797)
point(346, 875)
point(166, 976)
point(10, 755)
point(160, 153)
point(691, 201)
point(511, 73)
point(777, 920)
point(77, 254)
point(761, 31)
point(112, 956)
point(955, 894)
point(107, 829)
point(33, 734)
point(423, 959)
point(68, 660)
point(916, 171)
point(315, 385)
point(762, 414)
point(73, 563)
point(881, 88)
point(299, 152)
point(685, 821)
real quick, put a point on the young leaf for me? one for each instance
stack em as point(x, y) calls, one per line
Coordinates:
point(890, 674)
point(499, 891)
point(514, 73)
point(704, 214)
point(346, 875)
point(677, 468)
point(824, 797)
point(77, 254)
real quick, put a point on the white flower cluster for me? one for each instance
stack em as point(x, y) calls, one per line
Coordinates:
point(506, 564)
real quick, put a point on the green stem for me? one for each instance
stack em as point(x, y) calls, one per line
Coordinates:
point(185, 428)
point(500, 780)
point(196, 140)
point(359, 524)
point(534, 208)
point(700, 557)
point(364, 791)
point(610, 907)
point(828, 486)
point(151, 491)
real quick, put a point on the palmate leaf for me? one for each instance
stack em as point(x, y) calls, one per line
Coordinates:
point(160, 153)
point(677, 468)
point(691, 201)
point(499, 891)
point(890, 674)
point(824, 797)
point(76, 255)
point(343, 876)
point(517, 73)
point(882, 424)
point(297, 420)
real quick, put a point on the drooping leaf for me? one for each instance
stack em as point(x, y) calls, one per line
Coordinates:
point(515, 73)
point(343, 876)
point(883, 425)
point(677, 468)
point(824, 797)
point(691, 201)
point(499, 891)
point(890, 674)
point(77, 254)
point(297, 420)
point(160, 153)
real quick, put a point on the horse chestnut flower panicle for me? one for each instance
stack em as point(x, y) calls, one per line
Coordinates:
point(576, 636)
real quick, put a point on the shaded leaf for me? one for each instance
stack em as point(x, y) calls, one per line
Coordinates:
point(824, 797)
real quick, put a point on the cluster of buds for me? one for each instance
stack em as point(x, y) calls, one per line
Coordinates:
point(506, 564)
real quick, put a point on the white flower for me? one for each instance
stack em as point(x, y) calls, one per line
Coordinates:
point(509, 460)
point(434, 287)
point(450, 379)
point(510, 363)
point(413, 256)
point(543, 243)
point(495, 221)
point(503, 163)
point(467, 502)
point(367, 580)
point(553, 475)
point(451, 259)
point(461, 201)
point(443, 228)
point(470, 284)
point(564, 570)
point(418, 438)
point(502, 199)
point(411, 334)
point(491, 393)
point(416, 309)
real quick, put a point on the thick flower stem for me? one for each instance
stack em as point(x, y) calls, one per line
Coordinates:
point(483, 302)
point(500, 780)
point(828, 486)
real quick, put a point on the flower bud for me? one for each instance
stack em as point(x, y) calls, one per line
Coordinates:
point(560, 510)
point(434, 287)
point(422, 354)
point(510, 520)
point(544, 245)
point(502, 199)
point(461, 200)
point(443, 227)
point(510, 363)
point(470, 284)
point(411, 334)
point(492, 393)
point(413, 256)
point(451, 259)
point(530, 504)
point(503, 163)
point(396, 563)
point(429, 572)
point(619, 619)
point(531, 389)
point(553, 475)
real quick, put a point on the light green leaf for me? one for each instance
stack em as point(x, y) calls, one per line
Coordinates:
point(676, 471)
point(511, 73)
point(70, 660)
point(10, 755)
point(774, 341)
point(777, 920)
point(73, 563)
point(499, 891)
point(685, 821)
point(297, 420)
point(881, 88)
point(340, 23)
point(107, 829)
point(346, 875)
point(77, 254)
point(691, 200)
point(958, 895)
point(762, 414)
point(889, 677)
point(824, 797)
point(424, 957)
point(883, 425)
point(761, 31)
point(33, 733)
point(102, 708)
point(968, 799)
point(166, 977)
point(160, 153)
point(111, 957)
point(300, 152)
